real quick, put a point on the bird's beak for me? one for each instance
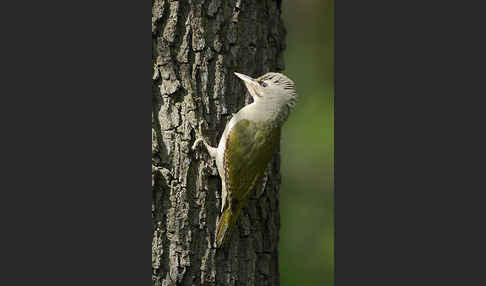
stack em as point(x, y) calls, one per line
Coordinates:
point(250, 83)
point(245, 78)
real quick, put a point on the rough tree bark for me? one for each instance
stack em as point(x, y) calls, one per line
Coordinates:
point(197, 45)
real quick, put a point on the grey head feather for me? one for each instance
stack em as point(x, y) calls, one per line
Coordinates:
point(284, 82)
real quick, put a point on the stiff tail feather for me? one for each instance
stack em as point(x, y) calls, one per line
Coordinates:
point(226, 225)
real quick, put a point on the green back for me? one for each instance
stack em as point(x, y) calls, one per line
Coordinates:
point(250, 147)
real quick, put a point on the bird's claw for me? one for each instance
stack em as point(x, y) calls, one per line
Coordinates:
point(200, 137)
point(198, 140)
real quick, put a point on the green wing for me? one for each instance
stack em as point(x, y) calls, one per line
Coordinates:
point(250, 147)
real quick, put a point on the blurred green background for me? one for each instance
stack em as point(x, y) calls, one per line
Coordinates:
point(306, 245)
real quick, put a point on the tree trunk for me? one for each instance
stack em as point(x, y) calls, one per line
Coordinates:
point(197, 45)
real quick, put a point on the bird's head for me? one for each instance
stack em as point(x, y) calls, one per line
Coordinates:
point(271, 88)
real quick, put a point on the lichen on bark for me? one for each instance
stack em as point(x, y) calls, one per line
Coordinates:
point(196, 47)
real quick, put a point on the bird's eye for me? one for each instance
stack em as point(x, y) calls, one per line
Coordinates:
point(262, 83)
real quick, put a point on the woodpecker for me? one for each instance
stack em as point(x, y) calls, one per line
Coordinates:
point(249, 141)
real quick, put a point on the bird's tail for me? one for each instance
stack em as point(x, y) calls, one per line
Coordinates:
point(226, 224)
